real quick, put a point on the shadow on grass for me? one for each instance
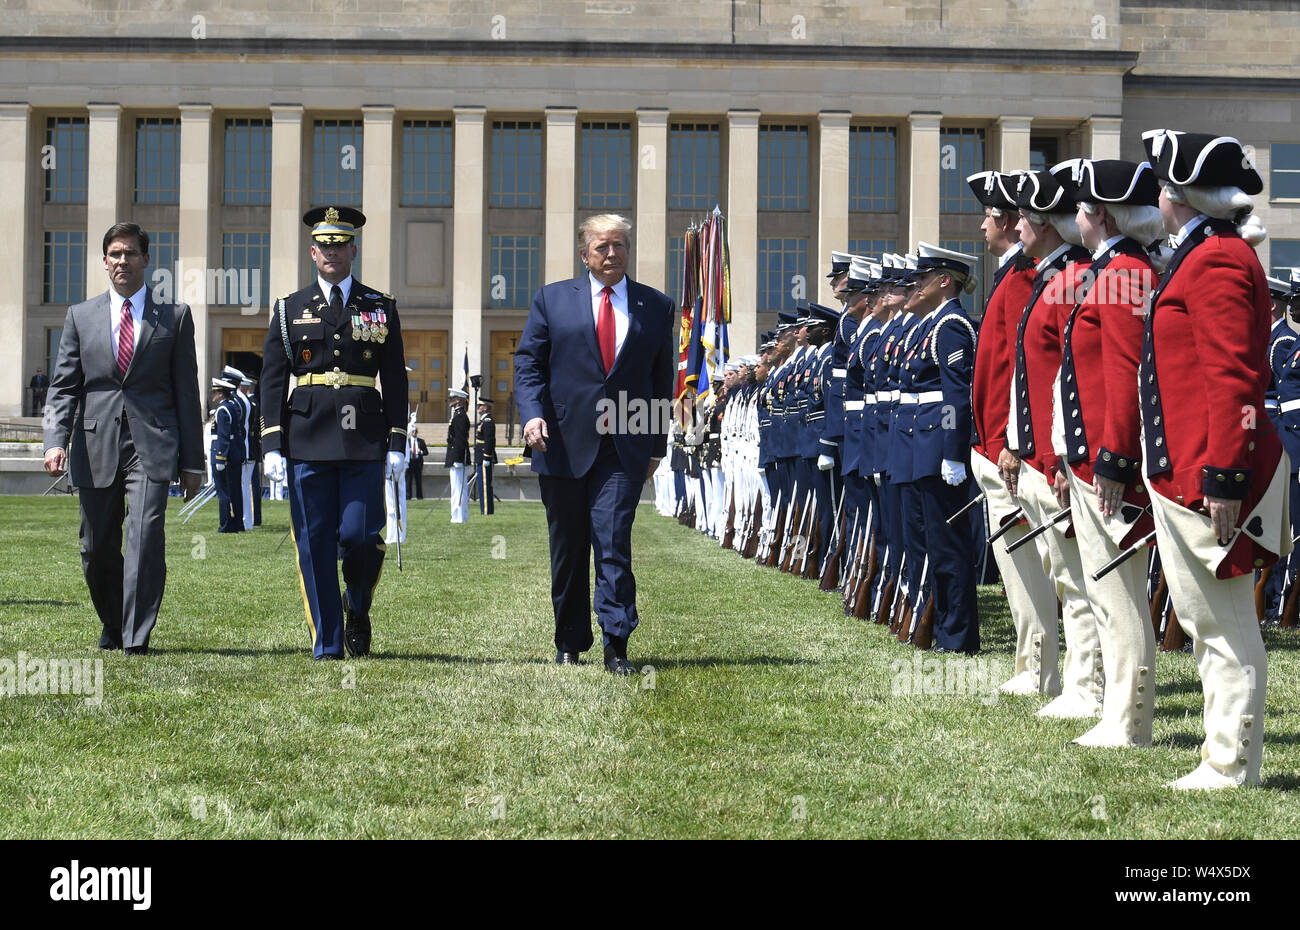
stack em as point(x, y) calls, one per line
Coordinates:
point(707, 661)
point(20, 602)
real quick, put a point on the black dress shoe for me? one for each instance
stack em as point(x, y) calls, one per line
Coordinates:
point(327, 657)
point(108, 641)
point(619, 666)
point(356, 632)
point(567, 658)
point(136, 650)
point(616, 661)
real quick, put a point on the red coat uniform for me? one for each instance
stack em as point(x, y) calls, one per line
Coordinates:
point(1203, 405)
point(1039, 355)
point(995, 354)
point(1103, 342)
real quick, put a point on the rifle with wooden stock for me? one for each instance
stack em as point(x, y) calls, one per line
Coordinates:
point(793, 512)
point(796, 541)
point(1291, 603)
point(830, 576)
point(869, 574)
point(808, 568)
point(884, 603)
point(902, 599)
point(729, 532)
point(777, 532)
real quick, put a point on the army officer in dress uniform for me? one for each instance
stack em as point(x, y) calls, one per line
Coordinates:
point(335, 437)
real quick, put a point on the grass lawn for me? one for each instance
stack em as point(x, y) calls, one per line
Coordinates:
point(768, 714)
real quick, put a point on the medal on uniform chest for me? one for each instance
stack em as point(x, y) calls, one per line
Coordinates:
point(356, 323)
point(383, 326)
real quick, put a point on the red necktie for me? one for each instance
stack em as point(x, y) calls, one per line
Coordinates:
point(605, 329)
point(125, 339)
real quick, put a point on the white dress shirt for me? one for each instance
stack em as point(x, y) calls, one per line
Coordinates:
point(326, 288)
point(1106, 246)
point(619, 301)
point(1188, 228)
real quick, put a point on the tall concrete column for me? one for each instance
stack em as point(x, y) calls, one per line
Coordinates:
point(923, 181)
point(377, 196)
point(742, 227)
point(1013, 143)
point(651, 233)
point(832, 197)
point(467, 240)
point(15, 123)
point(193, 247)
point(103, 139)
point(288, 235)
point(1101, 136)
point(558, 243)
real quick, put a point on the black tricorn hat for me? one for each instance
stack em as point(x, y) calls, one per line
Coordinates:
point(1042, 192)
point(1112, 180)
point(994, 189)
point(1198, 159)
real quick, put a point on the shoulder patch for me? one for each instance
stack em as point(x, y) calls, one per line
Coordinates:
point(947, 320)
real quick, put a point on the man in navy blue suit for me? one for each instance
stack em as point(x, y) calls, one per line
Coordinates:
point(594, 376)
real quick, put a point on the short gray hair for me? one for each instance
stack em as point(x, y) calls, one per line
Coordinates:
point(603, 223)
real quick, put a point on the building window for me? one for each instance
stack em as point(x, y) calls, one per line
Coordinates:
point(1042, 152)
point(65, 267)
point(163, 252)
point(248, 162)
point(873, 165)
point(245, 264)
point(336, 162)
point(426, 163)
point(516, 164)
point(973, 301)
point(64, 160)
point(514, 270)
point(605, 166)
point(676, 257)
point(694, 165)
point(1283, 256)
point(1284, 171)
point(783, 167)
point(157, 160)
point(782, 272)
point(871, 249)
point(961, 154)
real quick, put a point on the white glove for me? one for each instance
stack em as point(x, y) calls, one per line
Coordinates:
point(273, 466)
point(876, 478)
point(953, 472)
point(221, 466)
point(395, 466)
point(825, 463)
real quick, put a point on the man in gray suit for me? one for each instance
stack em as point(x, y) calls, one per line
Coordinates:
point(125, 390)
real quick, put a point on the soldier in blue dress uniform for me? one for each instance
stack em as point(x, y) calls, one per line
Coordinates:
point(819, 459)
point(335, 437)
point(938, 370)
point(228, 457)
point(485, 455)
point(880, 397)
point(856, 325)
point(1284, 359)
point(897, 464)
